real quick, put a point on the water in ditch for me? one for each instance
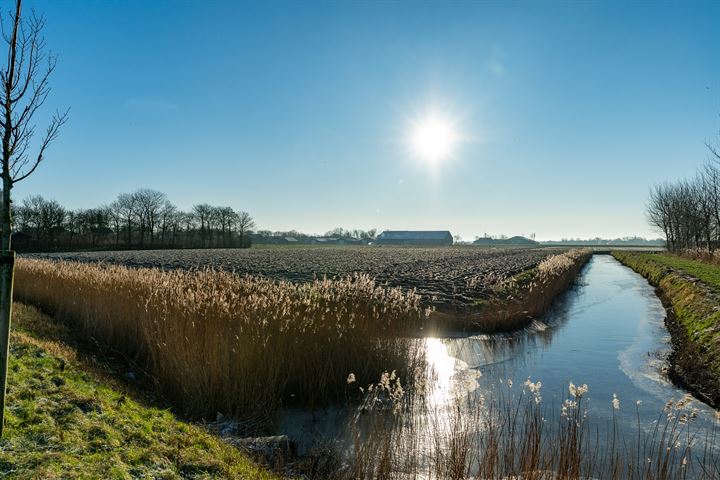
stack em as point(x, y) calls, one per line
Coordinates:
point(607, 332)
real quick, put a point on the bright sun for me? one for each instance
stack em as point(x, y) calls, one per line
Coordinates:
point(433, 138)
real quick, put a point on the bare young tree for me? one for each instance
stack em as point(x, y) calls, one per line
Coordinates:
point(168, 218)
point(175, 220)
point(244, 225)
point(659, 213)
point(126, 207)
point(95, 223)
point(212, 222)
point(203, 213)
point(115, 210)
point(186, 220)
point(150, 203)
point(52, 217)
point(72, 225)
point(24, 87)
point(226, 217)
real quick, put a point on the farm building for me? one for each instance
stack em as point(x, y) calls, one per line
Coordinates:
point(338, 241)
point(484, 241)
point(517, 241)
point(403, 237)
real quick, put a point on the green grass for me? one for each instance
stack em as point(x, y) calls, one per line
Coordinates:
point(706, 272)
point(523, 278)
point(696, 312)
point(68, 418)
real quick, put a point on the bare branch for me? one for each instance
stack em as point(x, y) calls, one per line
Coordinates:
point(714, 150)
point(50, 135)
point(24, 88)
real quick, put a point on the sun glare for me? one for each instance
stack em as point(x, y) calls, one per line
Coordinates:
point(433, 139)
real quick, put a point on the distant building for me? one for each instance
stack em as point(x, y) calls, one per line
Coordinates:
point(518, 240)
point(515, 241)
point(275, 240)
point(484, 241)
point(420, 238)
point(326, 240)
point(339, 241)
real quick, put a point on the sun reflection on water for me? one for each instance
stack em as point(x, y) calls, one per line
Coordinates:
point(449, 377)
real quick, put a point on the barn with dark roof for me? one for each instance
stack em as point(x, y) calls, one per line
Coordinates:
point(414, 237)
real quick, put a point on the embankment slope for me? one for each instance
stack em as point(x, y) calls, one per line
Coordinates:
point(690, 290)
point(69, 418)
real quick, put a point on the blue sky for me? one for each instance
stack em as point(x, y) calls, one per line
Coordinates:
point(299, 112)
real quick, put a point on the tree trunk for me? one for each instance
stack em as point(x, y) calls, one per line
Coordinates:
point(129, 232)
point(7, 264)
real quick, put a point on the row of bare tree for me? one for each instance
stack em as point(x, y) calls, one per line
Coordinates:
point(142, 219)
point(688, 211)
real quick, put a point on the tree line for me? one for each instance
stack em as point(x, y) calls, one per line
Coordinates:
point(144, 218)
point(687, 211)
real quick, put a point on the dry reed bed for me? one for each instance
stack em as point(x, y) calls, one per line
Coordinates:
point(447, 278)
point(520, 298)
point(217, 342)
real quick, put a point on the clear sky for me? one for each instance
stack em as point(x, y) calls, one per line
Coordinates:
point(564, 113)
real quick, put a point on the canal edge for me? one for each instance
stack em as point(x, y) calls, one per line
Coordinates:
point(683, 297)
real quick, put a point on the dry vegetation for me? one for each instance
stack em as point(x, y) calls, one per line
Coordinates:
point(448, 278)
point(517, 299)
point(519, 437)
point(217, 342)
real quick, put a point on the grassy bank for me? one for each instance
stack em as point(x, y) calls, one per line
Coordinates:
point(67, 418)
point(691, 290)
point(214, 342)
